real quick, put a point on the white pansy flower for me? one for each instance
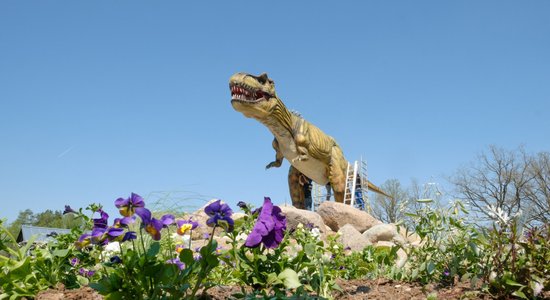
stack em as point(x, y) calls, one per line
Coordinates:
point(315, 232)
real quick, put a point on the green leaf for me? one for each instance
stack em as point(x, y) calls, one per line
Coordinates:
point(273, 279)
point(520, 294)
point(309, 249)
point(115, 296)
point(513, 283)
point(21, 268)
point(289, 278)
point(424, 200)
point(212, 261)
point(430, 268)
point(61, 252)
point(153, 249)
point(186, 257)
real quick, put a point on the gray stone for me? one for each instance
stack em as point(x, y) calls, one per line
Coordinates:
point(335, 215)
point(352, 238)
point(295, 216)
point(384, 232)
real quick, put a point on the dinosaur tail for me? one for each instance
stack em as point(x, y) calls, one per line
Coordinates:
point(376, 189)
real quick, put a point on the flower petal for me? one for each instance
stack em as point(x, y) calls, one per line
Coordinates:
point(213, 208)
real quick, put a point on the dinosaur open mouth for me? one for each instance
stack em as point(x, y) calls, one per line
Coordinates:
point(245, 94)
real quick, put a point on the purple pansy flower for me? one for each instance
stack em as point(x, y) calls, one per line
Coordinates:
point(83, 241)
point(129, 235)
point(86, 273)
point(115, 259)
point(269, 228)
point(185, 225)
point(167, 220)
point(74, 261)
point(127, 207)
point(113, 233)
point(220, 215)
point(152, 225)
point(102, 221)
point(144, 214)
point(98, 235)
point(176, 261)
point(123, 222)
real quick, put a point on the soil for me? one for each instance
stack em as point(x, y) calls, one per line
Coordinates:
point(382, 289)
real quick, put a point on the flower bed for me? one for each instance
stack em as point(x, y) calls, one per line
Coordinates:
point(142, 255)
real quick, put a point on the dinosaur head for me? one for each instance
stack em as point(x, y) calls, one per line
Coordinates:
point(254, 96)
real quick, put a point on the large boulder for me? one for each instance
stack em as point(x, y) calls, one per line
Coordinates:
point(295, 216)
point(351, 238)
point(335, 215)
point(384, 232)
point(411, 237)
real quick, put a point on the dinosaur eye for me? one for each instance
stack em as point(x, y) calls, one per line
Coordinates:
point(263, 79)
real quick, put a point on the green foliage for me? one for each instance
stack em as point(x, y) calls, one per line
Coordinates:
point(503, 261)
point(448, 249)
point(517, 264)
point(17, 278)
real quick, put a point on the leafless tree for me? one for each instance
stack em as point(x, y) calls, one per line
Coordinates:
point(539, 194)
point(499, 178)
point(390, 210)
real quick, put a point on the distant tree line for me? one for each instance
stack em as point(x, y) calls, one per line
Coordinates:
point(48, 218)
point(513, 181)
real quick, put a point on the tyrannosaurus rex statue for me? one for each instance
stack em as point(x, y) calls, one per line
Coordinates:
point(309, 150)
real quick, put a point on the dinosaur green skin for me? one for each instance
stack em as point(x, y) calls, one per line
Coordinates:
point(308, 149)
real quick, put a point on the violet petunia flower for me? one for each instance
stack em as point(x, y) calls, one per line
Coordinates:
point(127, 207)
point(220, 215)
point(269, 228)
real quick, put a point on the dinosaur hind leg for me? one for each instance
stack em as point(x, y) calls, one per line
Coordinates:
point(337, 174)
point(296, 190)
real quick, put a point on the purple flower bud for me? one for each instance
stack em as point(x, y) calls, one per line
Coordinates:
point(68, 210)
point(74, 261)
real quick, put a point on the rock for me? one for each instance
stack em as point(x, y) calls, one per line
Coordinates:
point(411, 237)
point(384, 232)
point(295, 216)
point(352, 238)
point(335, 215)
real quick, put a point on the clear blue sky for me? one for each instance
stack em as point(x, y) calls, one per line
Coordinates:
point(102, 98)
